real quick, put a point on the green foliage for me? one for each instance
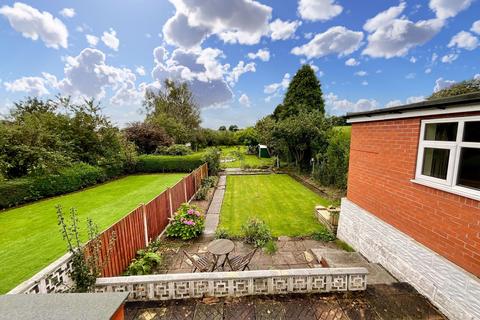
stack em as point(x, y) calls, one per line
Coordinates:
point(78, 176)
point(154, 163)
point(144, 263)
point(42, 137)
point(222, 128)
point(86, 264)
point(174, 150)
point(303, 94)
point(212, 158)
point(175, 110)
point(187, 223)
point(147, 136)
point(256, 232)
point(464, 87)
point(270, 247)
point(247, 136)
point(221, 233)
point(344, 246)
point(323, 235)
point(233, 128)
point(332, 169)
point(208, 138)
point(206, 184)
point(210, 181)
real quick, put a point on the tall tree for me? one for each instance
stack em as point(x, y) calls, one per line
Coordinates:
point(464, 87)
point(304, 93)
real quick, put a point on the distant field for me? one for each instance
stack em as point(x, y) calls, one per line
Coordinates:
point(30, 237)
point(248, 159)
point(283, 203)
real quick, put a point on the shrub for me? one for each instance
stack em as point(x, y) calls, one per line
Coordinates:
point(270, 247)
point(256, 232)
point(144, 263)
point(174, 150)
point(202, 193)
point(323, 235)
point(221, 233)
point(212, 158)
point(154, 163)
point(210, 181)
point(187, 223)
point(78, 176)
point(147, 136)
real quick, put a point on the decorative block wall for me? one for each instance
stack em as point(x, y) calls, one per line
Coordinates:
point(235, 284)
point(453, 290)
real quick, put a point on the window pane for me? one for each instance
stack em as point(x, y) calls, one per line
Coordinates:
point(471, 133)
point(469, 168)
point(435, 163)
point(441, 131)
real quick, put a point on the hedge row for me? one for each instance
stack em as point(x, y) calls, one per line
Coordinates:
point(155, 163)
point(18, 191)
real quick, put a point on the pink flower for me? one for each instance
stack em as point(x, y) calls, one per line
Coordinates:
point(191, 211)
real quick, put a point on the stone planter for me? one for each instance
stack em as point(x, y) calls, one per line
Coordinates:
point(328, 217)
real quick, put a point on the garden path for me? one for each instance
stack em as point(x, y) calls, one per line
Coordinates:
point(213, 212)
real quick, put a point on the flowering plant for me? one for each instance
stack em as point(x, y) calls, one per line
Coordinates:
point(187, 222)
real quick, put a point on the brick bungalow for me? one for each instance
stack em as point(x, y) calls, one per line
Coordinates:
point(413, 199)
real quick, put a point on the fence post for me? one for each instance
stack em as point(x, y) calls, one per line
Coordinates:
point(185, 189)
point(144, 211)
point(195, 180)
point(169, 192)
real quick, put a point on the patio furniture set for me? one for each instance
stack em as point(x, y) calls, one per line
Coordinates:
point(220, 249)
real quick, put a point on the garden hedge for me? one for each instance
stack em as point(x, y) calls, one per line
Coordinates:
point(155, 163)
point(18, 191)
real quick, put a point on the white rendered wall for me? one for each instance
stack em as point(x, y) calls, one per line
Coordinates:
point(450, 288)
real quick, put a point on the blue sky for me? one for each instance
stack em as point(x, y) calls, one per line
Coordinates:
point(238, 55)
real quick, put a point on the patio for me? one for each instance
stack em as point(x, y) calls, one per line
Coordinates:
point(397, 301)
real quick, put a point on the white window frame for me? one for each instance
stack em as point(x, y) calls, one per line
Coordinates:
point(450, 183)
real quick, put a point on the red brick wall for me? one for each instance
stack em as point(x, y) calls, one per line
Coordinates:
point(382, 163)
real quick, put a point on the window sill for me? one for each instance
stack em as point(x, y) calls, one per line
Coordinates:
point(456, 190)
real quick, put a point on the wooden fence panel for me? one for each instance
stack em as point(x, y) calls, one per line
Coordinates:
point(130, 230)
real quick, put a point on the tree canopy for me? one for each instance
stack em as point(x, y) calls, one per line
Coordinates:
point(464, 87)
point(304, 93)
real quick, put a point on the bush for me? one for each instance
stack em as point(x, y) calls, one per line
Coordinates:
point(154, 163)
point(210, 181)
point(212, 158)
point(187, 223)
point(270, 247)
point(143, 264)
point(202, 193)
point(323, 235)
point(221, 233)
point(174, 150)
point(78, 176)
point(333, 163)
point(256, 232)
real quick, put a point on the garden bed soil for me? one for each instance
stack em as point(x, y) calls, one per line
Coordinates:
point(330, 193)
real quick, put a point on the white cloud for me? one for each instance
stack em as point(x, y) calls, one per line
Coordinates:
point(92, 40)
point(67, 12)
point(244, 100)
point(410, 76)
point(275, 88)
point(393, 36)
point(233, 21)
point(477, 76)
point(283, 30)
point(441, 83)
point(352, 62)
point(476, 27)
point(201, 70)
point(110, 39)
point(361, 73)
point(240, 69)
point(336, 40)
point(321, 10)
point(262, 54)
point(409, 100)
point(448, 8)
point(140, 71)
point(413, 60)
point(34, 24)
point(364, 83)
point(428, 70)
point(393, 103)
point(415, 99)
point(336, 106)
point(36, 86)
point(449, 58)
point(464, 40)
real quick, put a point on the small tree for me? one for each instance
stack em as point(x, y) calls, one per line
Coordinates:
point(222, 128)
point(233, 128)
point(464, 87)
point(86, 263)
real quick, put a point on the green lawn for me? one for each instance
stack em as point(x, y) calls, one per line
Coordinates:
point(249, 160)
point(283, 203)
point(30, 238)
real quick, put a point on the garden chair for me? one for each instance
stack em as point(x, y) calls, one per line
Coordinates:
point(240, 263)
point(202, 264)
